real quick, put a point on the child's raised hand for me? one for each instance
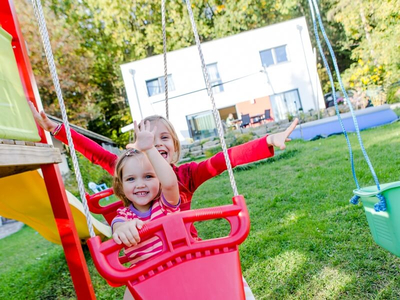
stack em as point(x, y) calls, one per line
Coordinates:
point(279, 139)
point(127, 232)
point(144, 136)
point(41, 118)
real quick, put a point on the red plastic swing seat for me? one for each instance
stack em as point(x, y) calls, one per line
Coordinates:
point(186, 268)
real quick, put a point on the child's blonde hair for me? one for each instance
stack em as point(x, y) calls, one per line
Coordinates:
point(170, 127)
point(118, 180)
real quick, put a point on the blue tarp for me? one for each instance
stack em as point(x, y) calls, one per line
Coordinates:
point(366, 118)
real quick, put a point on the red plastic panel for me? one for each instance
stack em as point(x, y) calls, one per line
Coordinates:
point(211, 277)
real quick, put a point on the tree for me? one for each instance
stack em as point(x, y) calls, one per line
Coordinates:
point(71, 63)
point(374, 29)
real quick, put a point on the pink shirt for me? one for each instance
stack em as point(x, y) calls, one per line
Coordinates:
point(152, 246)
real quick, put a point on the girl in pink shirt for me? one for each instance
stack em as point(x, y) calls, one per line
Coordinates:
point(148, 188)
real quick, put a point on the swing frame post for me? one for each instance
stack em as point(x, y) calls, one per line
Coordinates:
point(68, 234)
point(51, 174)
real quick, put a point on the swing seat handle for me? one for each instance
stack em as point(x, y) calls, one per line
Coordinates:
point(178, 244)
point(94, 202)
point(109, 211)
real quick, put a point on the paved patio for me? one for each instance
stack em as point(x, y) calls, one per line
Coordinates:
point(10, 228)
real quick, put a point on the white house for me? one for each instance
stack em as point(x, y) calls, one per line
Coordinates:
point(270, 70)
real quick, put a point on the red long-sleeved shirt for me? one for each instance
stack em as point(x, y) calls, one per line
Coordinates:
point(190, 175)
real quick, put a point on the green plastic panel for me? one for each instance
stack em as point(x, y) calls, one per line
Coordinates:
point(16, 120)
point(384, 225)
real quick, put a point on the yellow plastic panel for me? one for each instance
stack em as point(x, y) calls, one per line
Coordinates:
point(16, 120)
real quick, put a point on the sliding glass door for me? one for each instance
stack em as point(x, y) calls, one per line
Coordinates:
point(285, 104)
point(201, 125)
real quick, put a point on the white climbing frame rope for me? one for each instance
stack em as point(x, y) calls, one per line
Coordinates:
point(164, 31)
point(217, 117)
point(37, 7)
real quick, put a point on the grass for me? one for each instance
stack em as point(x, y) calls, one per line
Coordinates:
point(306, 240)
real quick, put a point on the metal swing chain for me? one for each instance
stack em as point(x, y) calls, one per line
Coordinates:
point(381, 205)
point(38, 10)
point(217, 117)
point(164, 32)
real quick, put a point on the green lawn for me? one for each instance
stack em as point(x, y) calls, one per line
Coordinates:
point(306, 240)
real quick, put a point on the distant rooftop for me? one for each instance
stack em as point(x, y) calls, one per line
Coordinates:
point(90, 134)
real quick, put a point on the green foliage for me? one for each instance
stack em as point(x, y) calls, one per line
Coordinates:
point(89, 171)
point(212, 151)
point(364, 75)
point(203, 141)
point(88, 66)
point(397, 111)
point(242, 138)
point(393, 93)
point(72, 62)
point(234, 138)
point(374, 28)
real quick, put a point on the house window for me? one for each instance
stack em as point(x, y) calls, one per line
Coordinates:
point(215, 79)
point(286, 104)
point(273, 56)
point(201, 125)
point(280, 54)
point(157, 86)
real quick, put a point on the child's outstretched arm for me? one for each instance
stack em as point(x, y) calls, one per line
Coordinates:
point(90, 149)
point(42, 120)
point(279, 139)
point(249, 152)
point(164, 172)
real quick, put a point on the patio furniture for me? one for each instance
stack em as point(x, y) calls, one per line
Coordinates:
point(257, 119)
point(97, 188)
point(245, 121)
point(267, 115)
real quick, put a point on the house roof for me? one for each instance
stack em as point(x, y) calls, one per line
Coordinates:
point(90, 134)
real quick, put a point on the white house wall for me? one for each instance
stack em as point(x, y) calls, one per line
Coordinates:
point(236, 56)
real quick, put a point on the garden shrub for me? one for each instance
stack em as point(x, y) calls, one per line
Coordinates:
point(212, 151)
point(243, 138)
point(89, 171)
point(393, 94)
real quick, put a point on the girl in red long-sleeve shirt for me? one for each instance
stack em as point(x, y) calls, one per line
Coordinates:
point(190, 175)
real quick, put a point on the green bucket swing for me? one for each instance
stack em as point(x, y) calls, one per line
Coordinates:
point(381, 202)
point(384, 225)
